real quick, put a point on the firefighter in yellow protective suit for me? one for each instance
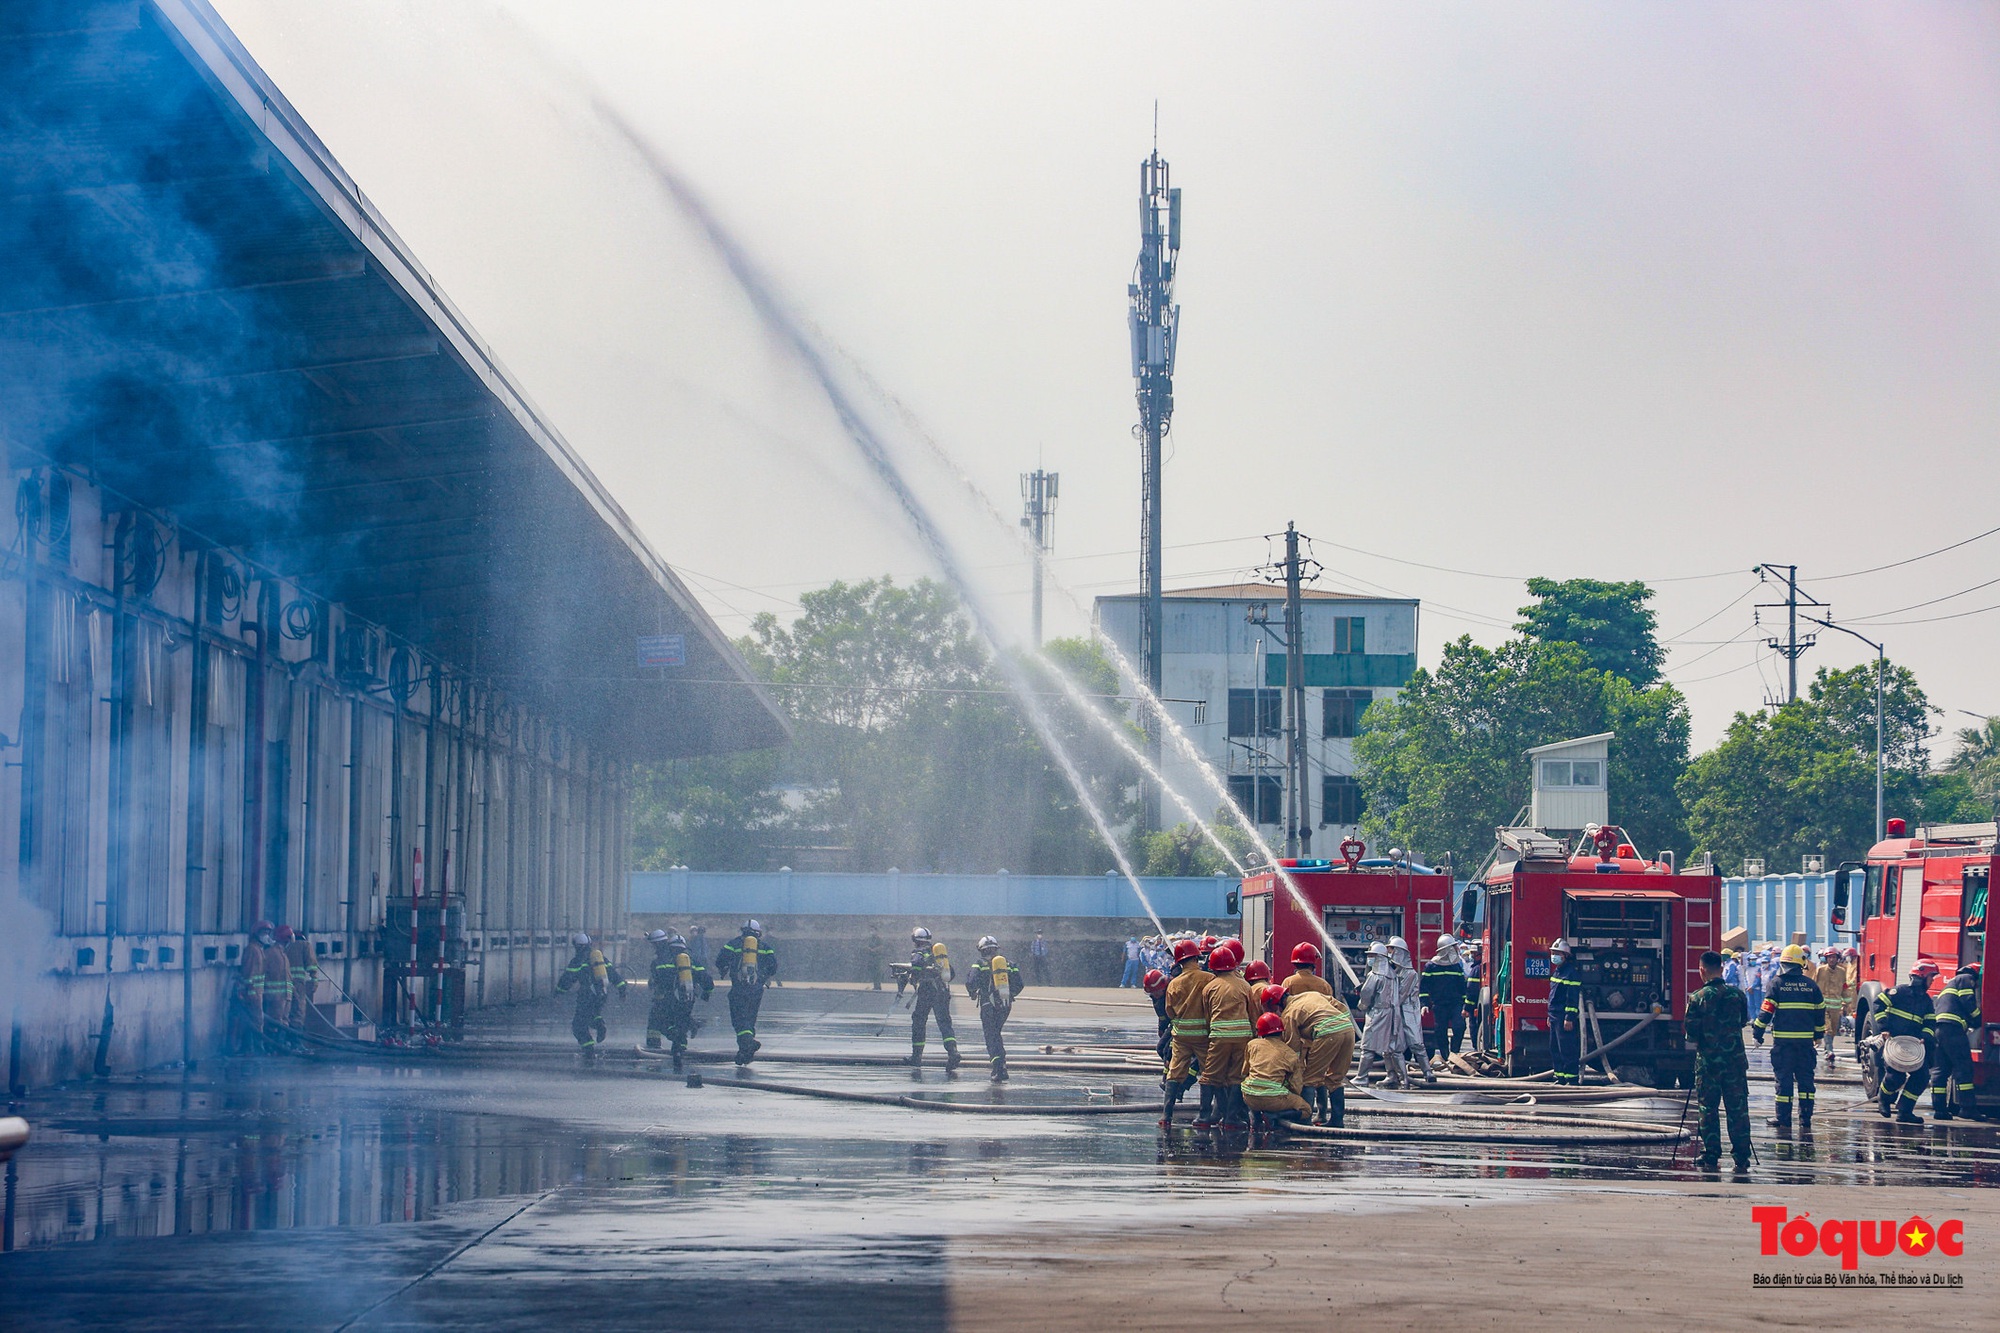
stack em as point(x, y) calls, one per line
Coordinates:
point(304, 973)
point(1273, 1073)
point(1227, 1004)
point(1187, 1027)
point(1321, 1029)
point(1837, 994)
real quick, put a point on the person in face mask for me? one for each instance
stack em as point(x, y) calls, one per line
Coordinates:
point(1409, 991)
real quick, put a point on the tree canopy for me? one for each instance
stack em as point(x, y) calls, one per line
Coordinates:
point(1185, 850)
point(911, 749)
point(1801, 778)
point(1977, 761)
point(1443, 764)
point(1609, 621)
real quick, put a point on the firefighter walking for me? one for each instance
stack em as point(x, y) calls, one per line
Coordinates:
point(1957, 1019)
point(993, 985)
point(1187, 1027)
point(1838, 992)
point(749, 965)
point(675, 983)
point(1565, 1018)
point(1442, 987)
point(1716, 1015)
point(1905, 1012)
point(1794, 1013)
point(929, 972)
point(592, 976)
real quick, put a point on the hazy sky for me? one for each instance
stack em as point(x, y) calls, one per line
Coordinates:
point(1626, 291)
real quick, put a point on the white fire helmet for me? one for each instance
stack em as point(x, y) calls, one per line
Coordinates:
point(1560, 949)
point(657, 936)
point(579, 939)
point(920, 934)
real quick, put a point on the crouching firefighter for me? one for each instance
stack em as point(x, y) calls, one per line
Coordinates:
point(1273, 1074)
point(1794, 1013)
point(749, 965)
point(1906, 1012)
point(677, 981)
point(1187, 1026)
point(1321, 1030)
point(993, 985)
point(929, 971)
point(592, 976)
point(1957, 1020)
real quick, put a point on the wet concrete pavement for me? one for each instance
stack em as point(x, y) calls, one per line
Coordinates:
point(508, 1183)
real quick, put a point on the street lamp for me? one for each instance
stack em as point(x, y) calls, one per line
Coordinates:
point(1880, 669)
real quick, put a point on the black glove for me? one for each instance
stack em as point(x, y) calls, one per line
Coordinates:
point(1757, 1037)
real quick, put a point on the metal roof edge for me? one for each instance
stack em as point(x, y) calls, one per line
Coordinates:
point(1574, 740)
point(216, 48)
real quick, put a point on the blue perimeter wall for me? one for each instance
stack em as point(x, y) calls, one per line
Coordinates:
point(1773, 906)
point(684, 893)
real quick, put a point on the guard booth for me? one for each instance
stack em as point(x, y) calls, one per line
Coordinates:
point(1355, 901)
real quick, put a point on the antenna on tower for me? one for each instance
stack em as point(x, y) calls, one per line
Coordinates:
point(1154, 321)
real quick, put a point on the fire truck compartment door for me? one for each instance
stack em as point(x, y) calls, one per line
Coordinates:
point(1909, 920)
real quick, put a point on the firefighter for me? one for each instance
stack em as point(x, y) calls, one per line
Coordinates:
point(749, 965)
point(1187, 1024)
point(592, 976)
point(277, 978)
point(304, 973)
point(1832, 981)
point(1156, 990)
point(1382, 1017)
point(1226, 1001)
point(1409, 990)
point(993, 985)
point(1951, 1065)
point(1273, 1073)
point(1322, 1031)
point(929, 971)
point(1906, 1012)
point(247, 1004)
point(1306, 959)
point(677, 981)
point(1475, 979)
point(1565, 1018)
point(1716, 1015)
point(1795, 1012)
point(1442, 988)
point(1257, 972)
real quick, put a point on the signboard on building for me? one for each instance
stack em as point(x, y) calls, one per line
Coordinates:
point(662, 650)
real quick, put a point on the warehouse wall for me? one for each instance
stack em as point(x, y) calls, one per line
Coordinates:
point(202, 744)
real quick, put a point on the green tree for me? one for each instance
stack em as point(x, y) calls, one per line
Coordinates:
point(1801, 779)
point(717, 812)
point(1609, 621)
point(1443, 764)
point(1977, 761)
point(1185, 850)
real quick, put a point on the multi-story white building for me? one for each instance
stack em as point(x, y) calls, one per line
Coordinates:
point(1223, 675)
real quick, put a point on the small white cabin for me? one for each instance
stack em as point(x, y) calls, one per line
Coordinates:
point(1570, 790)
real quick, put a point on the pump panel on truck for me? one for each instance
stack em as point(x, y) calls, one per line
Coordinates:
point(1636, 928)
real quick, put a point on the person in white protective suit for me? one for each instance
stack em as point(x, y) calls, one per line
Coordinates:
point(1380, 1006)
point(1409, 993)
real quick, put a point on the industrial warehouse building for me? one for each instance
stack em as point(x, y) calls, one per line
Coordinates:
point(1222, 677)
point(306, 613)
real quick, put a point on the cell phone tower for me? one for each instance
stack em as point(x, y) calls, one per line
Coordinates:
point(1154, 320)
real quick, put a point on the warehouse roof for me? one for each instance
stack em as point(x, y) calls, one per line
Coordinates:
point(200, 307)
point(1256, 592)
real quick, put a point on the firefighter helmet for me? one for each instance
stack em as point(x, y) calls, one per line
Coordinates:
point(1445, 942)
point(1306, 955)
point(1271, 996)
point(1378, 950)
point(1156, 982)
point(987, 944)
point(1235, 946)
point(1923, 971)
point(1221, 960)
point(1560, 947)
point(675, 940)
point(1258, 970)
point(1186, 949)
point(657, 936)
point(579, 939)
point(1398, 942)
point(1269, 1025)
point(752, 926)
point(1794, 953)
point(920, 934)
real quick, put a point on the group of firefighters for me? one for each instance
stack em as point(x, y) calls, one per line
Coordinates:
point(1756, 972)
point(274, 988)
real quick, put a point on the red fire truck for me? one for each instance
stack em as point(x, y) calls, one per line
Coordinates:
point(1637, 929)
point(1357, 901)
point(1925, 897)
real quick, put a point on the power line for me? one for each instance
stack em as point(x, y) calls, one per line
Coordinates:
point(1932, 620)
point(1914, 606)
point(1898, 564)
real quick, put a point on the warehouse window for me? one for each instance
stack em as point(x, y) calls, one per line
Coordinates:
point(1339, 801)
point(1341, 711)
point(1256, 712)
point(1350, 634)
point(1260, 798)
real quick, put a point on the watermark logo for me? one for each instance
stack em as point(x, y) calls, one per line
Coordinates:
point(1848, 1239)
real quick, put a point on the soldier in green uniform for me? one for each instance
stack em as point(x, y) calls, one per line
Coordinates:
point(1716, 1015)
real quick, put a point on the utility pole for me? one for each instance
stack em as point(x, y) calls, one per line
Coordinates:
point(1153, 320)
point(1298, 810)
point(1038, 508)
point(1791, 646)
